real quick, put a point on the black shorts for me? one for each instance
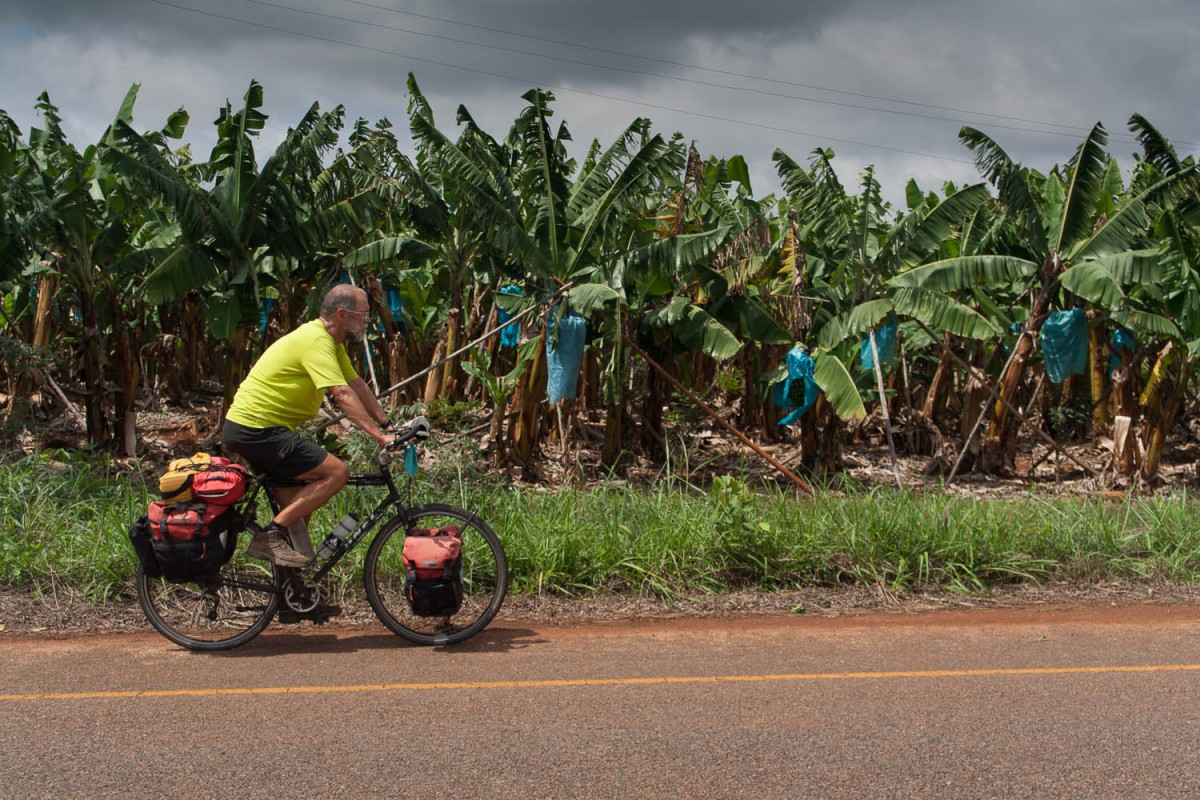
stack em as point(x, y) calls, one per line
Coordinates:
point(276, 452)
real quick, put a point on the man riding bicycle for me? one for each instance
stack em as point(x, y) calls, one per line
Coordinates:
point(283, 390)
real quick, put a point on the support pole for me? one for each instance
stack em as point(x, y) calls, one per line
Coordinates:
point(986, 406)
point(1016, 412)
point(883, 409)
point(796, 479)
point(463, 349)
point(367, 349)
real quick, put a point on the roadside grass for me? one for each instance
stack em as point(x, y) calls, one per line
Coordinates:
point(64, 523)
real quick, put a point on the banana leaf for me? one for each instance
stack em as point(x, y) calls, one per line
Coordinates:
point(835, 380)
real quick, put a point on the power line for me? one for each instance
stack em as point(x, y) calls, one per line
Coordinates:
point(629, 70)
point(1076, 128)
point(530, 82)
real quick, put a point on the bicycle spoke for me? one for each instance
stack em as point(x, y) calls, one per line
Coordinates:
point(216, 614)
point(484, 577)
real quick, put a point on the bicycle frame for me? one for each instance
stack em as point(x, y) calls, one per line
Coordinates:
point(381, 478)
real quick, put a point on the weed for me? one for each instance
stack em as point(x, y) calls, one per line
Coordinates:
point(64, 522)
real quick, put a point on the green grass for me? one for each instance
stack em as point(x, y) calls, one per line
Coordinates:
point(64, 524)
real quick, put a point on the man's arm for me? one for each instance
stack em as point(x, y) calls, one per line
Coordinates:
point(366, 415)
point(369, 401)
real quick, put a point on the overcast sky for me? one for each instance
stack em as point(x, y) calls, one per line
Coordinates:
point(883, 82)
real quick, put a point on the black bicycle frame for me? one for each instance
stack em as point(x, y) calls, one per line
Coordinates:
point(365, 526)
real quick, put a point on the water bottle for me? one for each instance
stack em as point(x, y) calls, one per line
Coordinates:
point(344, 528)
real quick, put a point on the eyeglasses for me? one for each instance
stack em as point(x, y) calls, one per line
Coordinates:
point(360, 313)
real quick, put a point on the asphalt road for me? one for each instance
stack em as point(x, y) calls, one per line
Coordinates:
point(1034, 703)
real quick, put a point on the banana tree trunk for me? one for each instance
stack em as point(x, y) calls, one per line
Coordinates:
point(47, 288)
point(99, 427)
point(125, 346)
point(809, 452)
point(704, 369)
point(398, 366)
point(1125, 413)
point(769, 412)
point(937, 399)
point(1160, 402)
point(974, 394)
point(236, 352)
point(1098, 374)
point(752, 416)
point(496, 432)
point(615, 379)
point(28, 381)
point(658, 394)
point(449, 387)
point(999, 445)
point(592, 387)
point(821, 438)
point(433, 381)
point(194, 341)
point(526, 403)
point(883, 409)
point(614, 433)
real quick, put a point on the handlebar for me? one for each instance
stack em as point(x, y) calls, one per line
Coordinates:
point(414, 430)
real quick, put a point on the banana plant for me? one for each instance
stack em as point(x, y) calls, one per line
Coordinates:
point(25, 212)
point(556, 226)
point(89, 215)
point(854, 254)
point(499, 388)
point(1054, 222)
point(1084, 227)
point(440, 225)
point(1152, 290)
point(249, 215)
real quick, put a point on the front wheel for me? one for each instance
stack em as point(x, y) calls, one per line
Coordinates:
point(484, 576)
point(217, 612)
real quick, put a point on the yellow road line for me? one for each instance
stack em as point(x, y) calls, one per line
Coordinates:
point(574, 682)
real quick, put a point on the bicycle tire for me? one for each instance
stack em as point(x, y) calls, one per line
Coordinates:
point(217, 613)
point(485, 576)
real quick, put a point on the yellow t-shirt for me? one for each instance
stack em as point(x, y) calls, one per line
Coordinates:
point(287, 384)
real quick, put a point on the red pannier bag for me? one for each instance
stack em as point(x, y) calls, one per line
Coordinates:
point(222, 482)
point(433, 571)
point(190, 540)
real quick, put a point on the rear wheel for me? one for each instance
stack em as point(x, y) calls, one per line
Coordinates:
point(484, 576)
point(216, 613)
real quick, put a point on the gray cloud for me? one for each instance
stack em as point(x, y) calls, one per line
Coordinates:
point(1069, 63)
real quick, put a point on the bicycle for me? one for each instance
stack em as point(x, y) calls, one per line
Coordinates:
point(232, 606)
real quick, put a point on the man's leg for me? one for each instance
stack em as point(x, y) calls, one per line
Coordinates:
point(299, 502)
point(298, 528)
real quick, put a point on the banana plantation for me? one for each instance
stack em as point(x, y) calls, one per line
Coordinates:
point(640, 278)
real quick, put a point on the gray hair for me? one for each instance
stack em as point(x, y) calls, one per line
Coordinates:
point(341, 296)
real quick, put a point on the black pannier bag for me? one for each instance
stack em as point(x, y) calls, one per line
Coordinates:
point(433, 571)
point(140, 537)
point(191, 540)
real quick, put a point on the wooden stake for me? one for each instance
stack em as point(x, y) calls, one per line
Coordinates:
point(717, 417)
point(883, 409)
point(1015, 411)
point(463, 349)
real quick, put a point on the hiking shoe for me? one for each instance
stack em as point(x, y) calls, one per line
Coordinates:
point(271, 544)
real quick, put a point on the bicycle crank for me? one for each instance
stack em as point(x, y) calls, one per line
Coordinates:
point(302, 596)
